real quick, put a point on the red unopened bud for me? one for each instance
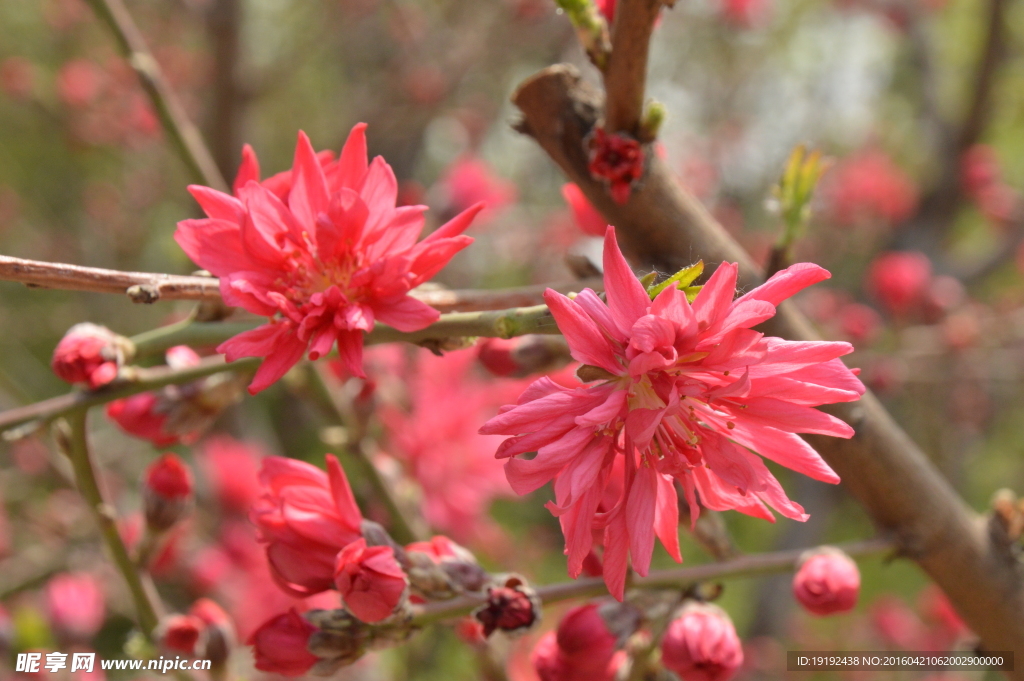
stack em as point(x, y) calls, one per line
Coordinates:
point(827, 582)
point(218, 637)
point(179, 633)
point(143, 416)
point(371, 582)
point(899, 280)
point(176, 413)
point(618, 160)
point(979, 169)
point(166, 492)
point(701, 644)
point(279, 645)
point(510, 607)
point(581, 648)
point(523, 356)
point(89, 354)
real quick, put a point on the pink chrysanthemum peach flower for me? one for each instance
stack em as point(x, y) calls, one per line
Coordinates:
point(322, 251)
point(686, 394)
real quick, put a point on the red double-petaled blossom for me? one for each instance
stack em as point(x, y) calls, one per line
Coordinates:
point(678, 393)
point(323, 252)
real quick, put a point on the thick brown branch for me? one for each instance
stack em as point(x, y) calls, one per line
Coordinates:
point(904, 494)
point(147, 287)
point(626, 72)
point(183, 133)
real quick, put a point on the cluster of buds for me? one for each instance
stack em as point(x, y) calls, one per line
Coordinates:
point(618, 160)
point(91, 355)
point(177, 413)
point(827, 582)
point(206, 633)
point(316, 539)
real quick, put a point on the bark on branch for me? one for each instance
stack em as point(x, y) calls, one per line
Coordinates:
point(663, 226)
point(149, 287)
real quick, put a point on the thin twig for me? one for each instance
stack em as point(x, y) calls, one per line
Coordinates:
point(74, 440)
point(492, 324)
point(182, 131)
point(672, 578)
point(402, 529)
point(147, 287)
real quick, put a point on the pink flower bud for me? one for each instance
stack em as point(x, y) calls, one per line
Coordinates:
point(618, 160)
point(210, 613)
point(827, 582)
point(179, 633)
point(701, 644)
point(869, 186)
point(900, 280)
point(75, 604)
point(79, 82)
point(279, 645)
point(859, 322)
point(523, 356)
point(218, 635)
point(89, 354)
point(979, 169)
point(371, 582)
point(142, 415)
point(587, 218)
point(581, 649)
point(166, 492)
point(305, 517)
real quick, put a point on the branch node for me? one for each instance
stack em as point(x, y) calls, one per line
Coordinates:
point(146, 294)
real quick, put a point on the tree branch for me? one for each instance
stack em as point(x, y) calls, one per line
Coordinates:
point(147, 287)
point(626, 72)
point(491, 324)
point(75, 443)
point(665, 227)
point(183, 133)
point(672, 578)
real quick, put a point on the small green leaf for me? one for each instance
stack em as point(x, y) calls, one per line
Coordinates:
point(648, 279)
point(691, 292)
point(681, 279)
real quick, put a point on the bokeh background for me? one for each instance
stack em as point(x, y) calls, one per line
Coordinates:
point(920, 104)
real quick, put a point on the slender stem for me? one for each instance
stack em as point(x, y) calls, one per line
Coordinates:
point(76, 442)
point(402, 529)
point(673, 578)
point(493, 324)
point(149, 287)
point(487, 323)
point(182, 131)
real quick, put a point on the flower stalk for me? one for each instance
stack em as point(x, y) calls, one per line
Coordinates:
point(73, 439)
